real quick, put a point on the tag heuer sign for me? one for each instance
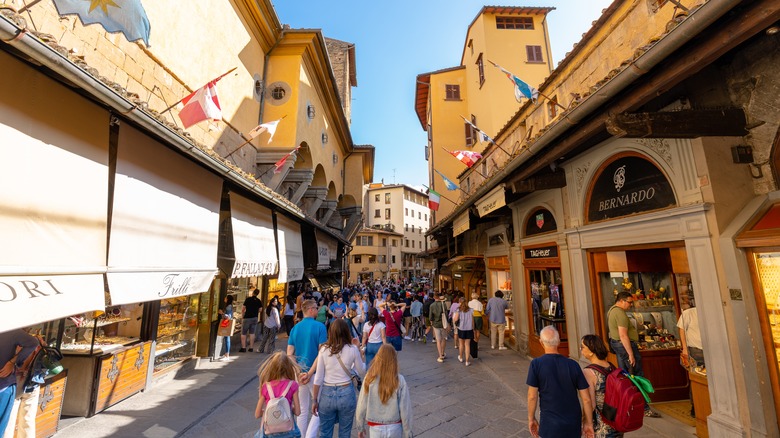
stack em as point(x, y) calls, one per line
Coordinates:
point(629, 185)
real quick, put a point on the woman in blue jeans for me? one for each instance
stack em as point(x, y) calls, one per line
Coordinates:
point(373, 335)
point(333, 395)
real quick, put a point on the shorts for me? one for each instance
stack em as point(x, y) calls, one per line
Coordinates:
point(439, 333)
point(248, 326)
point(396, 342)
point(478, 323)
point(465, 334)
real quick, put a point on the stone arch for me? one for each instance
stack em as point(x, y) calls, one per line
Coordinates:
point(304, 159)
point(320, 179)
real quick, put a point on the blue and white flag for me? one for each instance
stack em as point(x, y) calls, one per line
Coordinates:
point(447, 182)
point(126, 16)
point(482, 136)
point(522, 90)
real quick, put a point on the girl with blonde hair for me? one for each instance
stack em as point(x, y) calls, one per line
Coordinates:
point(277, 373)
point(384, 405)
point(463, 319)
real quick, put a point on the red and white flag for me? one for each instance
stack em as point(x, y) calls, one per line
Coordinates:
point(466, 157)
point(270, 127)
point(280, 164)
point(202, 104)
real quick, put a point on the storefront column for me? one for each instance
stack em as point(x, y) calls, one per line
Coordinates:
point(570, 296)
point(724, 420)
point(519, 305)
point(574, 265)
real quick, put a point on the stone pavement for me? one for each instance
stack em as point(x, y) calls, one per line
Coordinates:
point(487, 399)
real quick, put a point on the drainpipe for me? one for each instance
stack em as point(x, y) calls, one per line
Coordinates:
point(696, 22)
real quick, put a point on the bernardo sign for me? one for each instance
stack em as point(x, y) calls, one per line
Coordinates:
point(627, 186)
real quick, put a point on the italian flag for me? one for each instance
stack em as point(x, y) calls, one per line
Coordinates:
point(433, 200)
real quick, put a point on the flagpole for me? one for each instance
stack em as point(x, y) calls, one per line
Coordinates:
point(456, 185)
point(274, 165)
point(28, 6)
point(491, 139)
point(246, 142)
point(213, 80)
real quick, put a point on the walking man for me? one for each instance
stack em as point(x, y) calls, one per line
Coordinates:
point(554, 382)
point(623, 339)
point(249, 313)
point(305, 339)
point(496, 312)
point(438, 314)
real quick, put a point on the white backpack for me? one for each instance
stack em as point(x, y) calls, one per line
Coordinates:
point(278, 415)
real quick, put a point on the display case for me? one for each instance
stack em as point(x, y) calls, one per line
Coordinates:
point(177, 331)
point(103, 331)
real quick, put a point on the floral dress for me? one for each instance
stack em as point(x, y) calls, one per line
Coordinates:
point(601, 429)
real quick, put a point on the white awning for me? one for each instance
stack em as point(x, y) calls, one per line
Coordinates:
point(164, 224)
point(290, 250)
point(327, 249)
point(253, 238)
point(461, 223)
point(494, 200)
point(53, 201)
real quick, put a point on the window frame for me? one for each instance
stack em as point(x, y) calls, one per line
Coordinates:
point(514, 23)
point(534, 54)
point(451, 92)
point(481, 70)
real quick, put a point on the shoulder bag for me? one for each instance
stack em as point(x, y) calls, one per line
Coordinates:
point(356, 383)
point(400, 328)
point(444, 323)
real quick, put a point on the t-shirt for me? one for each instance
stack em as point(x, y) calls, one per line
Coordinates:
point(416, 308)
point(436, 313)
point(496, 310)
point(376, 334)
point(278, 388)
point(253, 306)
point(306, 337)
point(466, 319)
point(338, 310)
point(477, 306)
point(617, 317)
point(391, 328)
point(558, 379)
point(689, 322)
point(322, 314)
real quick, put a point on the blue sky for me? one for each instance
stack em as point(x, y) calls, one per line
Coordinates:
point(397, 40)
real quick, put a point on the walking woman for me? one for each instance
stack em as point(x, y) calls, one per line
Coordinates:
point(593, 348)
point(373, 335)
point(384, 404)
point(227, 313)
point(463, 319)
point(393, 315)
point(333, 396)
point(289, 314)
point(271, 326)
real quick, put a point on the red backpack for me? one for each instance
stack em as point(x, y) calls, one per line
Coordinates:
point(624, 404)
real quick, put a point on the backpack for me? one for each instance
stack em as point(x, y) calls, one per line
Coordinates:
point(624, 404)
point(278, 416)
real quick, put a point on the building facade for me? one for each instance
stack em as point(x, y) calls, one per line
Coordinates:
point(658, 179)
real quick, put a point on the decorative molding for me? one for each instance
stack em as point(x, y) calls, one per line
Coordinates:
point(580, 173)
point(658, 145)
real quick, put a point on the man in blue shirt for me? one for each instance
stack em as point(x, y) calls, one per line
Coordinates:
point(303, 344)
point(496, 312)
point(554, 381)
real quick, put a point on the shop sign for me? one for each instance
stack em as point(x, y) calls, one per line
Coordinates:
point(461, 224)
point(253, 269)
point(492, 201)
point(627, 186)
point(544, 252)
point(540, 221)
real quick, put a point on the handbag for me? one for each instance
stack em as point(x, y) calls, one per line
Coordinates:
point(444, 323)
point(400, 328)
point(226, 327)
point(356, 383)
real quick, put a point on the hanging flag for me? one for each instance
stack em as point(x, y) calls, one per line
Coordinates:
point(433, 200)
point(126, 16)
point(522, 90)
point(270, 127)
point(447, 182)
point(279, 164)
point(466, 157)
point(482, 136)
point(202, 104)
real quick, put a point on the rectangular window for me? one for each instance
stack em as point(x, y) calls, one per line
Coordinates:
point(412, 214)
point(481, 70)
point(534, 53)
point(395, 242)
point(371, 259)
point(412, 243)
point(387, 198)
point(384, 241)
point(452, 92)
point(406, 212)
point(420, 230)
point(393, 259)
point(377, 213)
point(382, 259)
point(552, 107)
point(406, 227)
point(407, 243)
point(419, 215)
point(426, 216)
point(358, 259)
point(370, 240)
point(376, 197)
point(387, 213)
point(515, 23)
point(471, 137)
point(412, 228)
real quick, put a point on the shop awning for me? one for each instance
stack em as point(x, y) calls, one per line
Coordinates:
point(491, 202)
point(461, 224)
point(325, 282)
point(461, 258)
point(290, 249)
point(53, 201)
point(253, 238)
point(327, 249)
point(164, 224)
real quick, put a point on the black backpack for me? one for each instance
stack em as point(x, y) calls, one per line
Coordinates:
point(46, 362)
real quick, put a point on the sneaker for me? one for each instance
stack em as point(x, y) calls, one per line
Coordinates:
point(441, 359)
point(502, 348)
point(407, 338)
point(424, 340)
point(251, 350)
point(652, 414)
point(468, 364)
point(444, 356)
point(242, 350)
point(460, 359)
point(492, 347)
